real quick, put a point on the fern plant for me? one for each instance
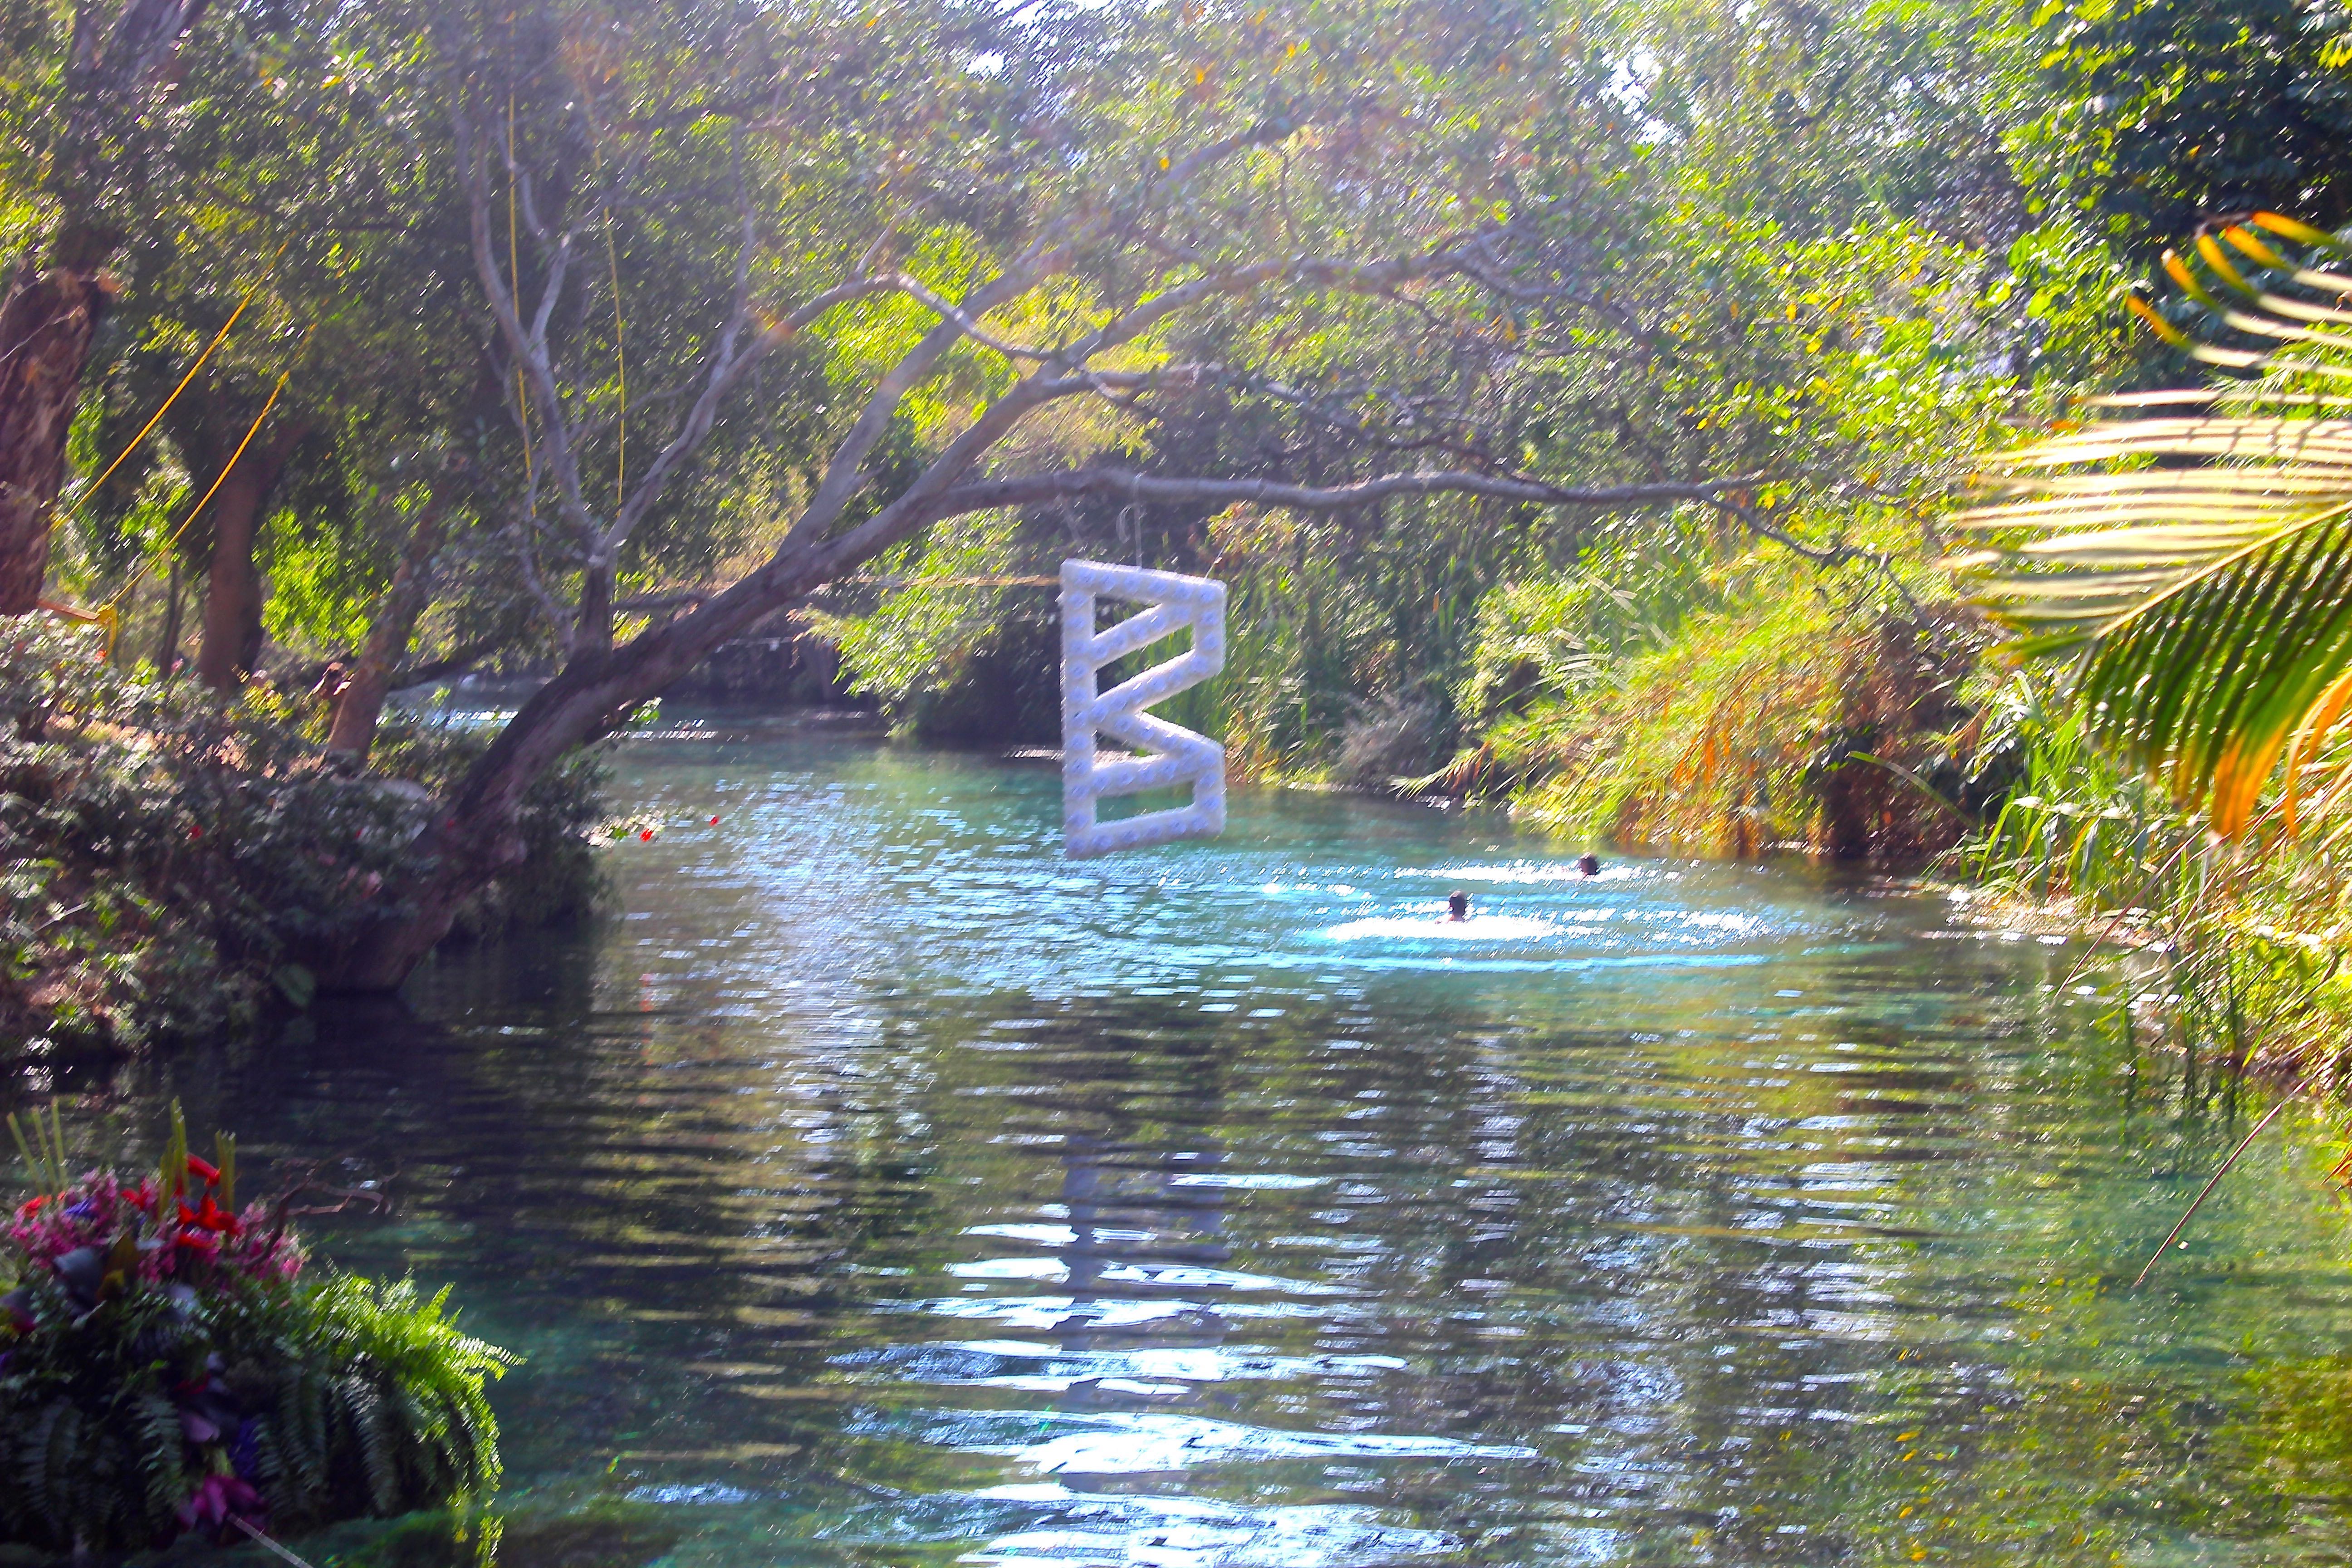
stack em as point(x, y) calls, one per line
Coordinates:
point(164, 1368)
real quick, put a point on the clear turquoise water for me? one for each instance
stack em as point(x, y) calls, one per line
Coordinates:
point(880, 1188)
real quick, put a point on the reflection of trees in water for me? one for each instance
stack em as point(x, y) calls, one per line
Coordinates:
point(652, 1205)
point(691, 1217)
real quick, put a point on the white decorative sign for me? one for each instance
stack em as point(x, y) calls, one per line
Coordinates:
point(1172, 754)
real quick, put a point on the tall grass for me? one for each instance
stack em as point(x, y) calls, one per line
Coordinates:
point(1785, 716)
point(2233, 949)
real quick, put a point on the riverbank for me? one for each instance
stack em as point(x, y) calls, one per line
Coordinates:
point(170, 858)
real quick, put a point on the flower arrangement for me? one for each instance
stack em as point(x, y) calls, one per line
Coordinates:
point(166, 1367)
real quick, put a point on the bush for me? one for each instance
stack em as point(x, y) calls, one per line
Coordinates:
point(1784, 720)
point(171, 855)
point(163, 1369)
point(948, 655)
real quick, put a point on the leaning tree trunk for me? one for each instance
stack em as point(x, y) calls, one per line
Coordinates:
point(45, 327)
point(362, 703)
point(232, 639)
point(477, 834)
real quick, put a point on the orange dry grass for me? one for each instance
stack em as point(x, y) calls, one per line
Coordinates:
point(1749, 731)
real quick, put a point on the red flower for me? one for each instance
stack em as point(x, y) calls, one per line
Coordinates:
point(32, 1208)
point(212, 1216)
point(648, 834)
point(204, 1168)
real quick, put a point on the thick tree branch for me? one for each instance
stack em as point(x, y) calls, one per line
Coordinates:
point(1032, 490)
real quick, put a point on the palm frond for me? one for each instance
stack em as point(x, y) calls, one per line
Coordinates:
point(2198, 564)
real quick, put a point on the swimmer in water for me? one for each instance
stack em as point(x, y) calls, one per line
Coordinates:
point(1457, 906)
point(1589, 865)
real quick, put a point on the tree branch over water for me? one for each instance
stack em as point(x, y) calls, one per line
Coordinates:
point(1033, 490)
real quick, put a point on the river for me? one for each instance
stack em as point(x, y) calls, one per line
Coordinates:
point(877, 1187)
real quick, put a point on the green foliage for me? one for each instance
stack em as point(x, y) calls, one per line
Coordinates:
point(1548, 638)
point(1790, 718)
point(382, 1404)
point(2152, 117)
point(362, 1399)
point(2079, 824)
point(2196, 557)
point(2233, 949)
point(946, 655)
point(163, 1368)
point(172, 859)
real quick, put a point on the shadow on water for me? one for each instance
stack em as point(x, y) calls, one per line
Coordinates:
point(878, 1188)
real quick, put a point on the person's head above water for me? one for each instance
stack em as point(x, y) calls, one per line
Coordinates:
point(1457, 905)
point(1588, 864)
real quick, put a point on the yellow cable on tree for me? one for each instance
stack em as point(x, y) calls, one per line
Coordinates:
point(91, 489)
point(110, 615)
point(172, 542)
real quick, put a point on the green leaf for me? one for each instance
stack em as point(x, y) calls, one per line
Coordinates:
point(2202, 566)
point(296, 983)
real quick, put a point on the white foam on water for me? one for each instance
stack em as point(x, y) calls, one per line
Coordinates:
point(1148, 1442)
point(1477, 928)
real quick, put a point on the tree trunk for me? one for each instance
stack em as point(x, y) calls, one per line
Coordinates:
point(362, 703)
point(232, 640)
point(167, 645)
point(45, 327)
point(112, 73)
point(477, 835)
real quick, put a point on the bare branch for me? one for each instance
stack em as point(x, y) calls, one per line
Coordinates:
point(844, 475)
point(921, 292)
point(1032, 490)
point(727, 369)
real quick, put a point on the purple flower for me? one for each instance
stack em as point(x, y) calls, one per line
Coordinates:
point(218, 1501)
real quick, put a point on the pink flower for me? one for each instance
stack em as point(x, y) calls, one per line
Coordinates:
point(220, 1499)
point(195, 1243)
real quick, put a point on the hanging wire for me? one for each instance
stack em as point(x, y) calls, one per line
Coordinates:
point(91, 489)
point(109, 615)
point(172, 542)
point(1129, 529)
